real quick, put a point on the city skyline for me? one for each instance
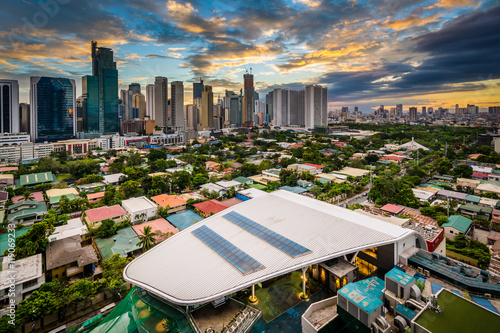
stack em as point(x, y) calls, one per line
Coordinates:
point(424, 53)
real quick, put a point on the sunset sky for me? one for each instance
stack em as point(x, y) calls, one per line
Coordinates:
point(418, 53)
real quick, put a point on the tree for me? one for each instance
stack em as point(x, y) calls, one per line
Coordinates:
point(113, 266)
point(27, 195)
point(288, 177)
point(371, 159)
point(147, 239)
point(34, 241)
point(106, 229)
point(463, 171)
point(131, 189)
point(443, 166)
point(272, 185)
point(199, 179)
point(81, 292)
point(38, 305)
point(486, 150)
point(82, 168)
point(181, 180)
point(134, 159)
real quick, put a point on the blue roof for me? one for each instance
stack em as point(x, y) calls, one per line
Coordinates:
point(366, 294)
point(184, 220)
point(399, 276)
point(405, 311)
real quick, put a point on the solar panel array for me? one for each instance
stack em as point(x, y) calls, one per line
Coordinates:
point(284, 244)
point(236, 257)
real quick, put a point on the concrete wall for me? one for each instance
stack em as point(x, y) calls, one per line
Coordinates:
point(307, 327)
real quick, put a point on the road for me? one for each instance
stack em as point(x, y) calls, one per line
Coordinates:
point(358, 198)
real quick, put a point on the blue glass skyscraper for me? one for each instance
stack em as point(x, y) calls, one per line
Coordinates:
point(104, 72)
point(53, 109)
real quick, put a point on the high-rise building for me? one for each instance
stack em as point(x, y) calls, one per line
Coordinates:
point(248, 93)
point(135, 88)
point(399, 109)
point(90, 104)
point(9, 106)
point(316, 106)
point(177, 105)
point(191, 116)
point(424, 110)
point(456, 108)
point(53, 109)
point(197, 89)
point(494, 110)
point(413, 116)
point(280, 107)
point(161, 101)
point(430, 110)
point(126, 98)
point(235, 110)
point(139, 102)
point(104, 68)
point(207, 107)
point(269, 107)
point(150, 101)
point(24, 111)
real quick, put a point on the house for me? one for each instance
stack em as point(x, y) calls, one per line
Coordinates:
point(475, 210)
point(393, 209)
point(354, 172)
point(33, 179)
point(456, 196)
point(479, 176)
point(423, 196)
point(91, 187)
point(35, 196)
point(95, 197)
point(445, 178)
point(26, 212)
point(319, 168)
point(4, 197)
point(29, 276)
point(94, 217)
point(457, 224)
point(161, 227)
point(72, 228)
point(303, 167)
point(250, 193)
point(124, 242)
point(6, 180)
point(484, 188)
point(139, 209)
point(211, 187)
point(229, 184)
point(55, 195)
point(173, 202)
point(243, 180)
point(209, 207)
point(212, 166)
point(66, 258)
point(113, 179)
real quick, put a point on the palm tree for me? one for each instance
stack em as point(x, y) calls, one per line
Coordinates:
point(28, 196)
point(147, 239)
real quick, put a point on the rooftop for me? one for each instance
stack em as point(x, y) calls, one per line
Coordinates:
point(97, 195)
point(184, 220)
point(37, 196)
point(68, 250)
point(458, 222)
point(210, 206)
point(158, 225)
point(393, 209)
point(365, 294)
point(37, 178)
point(252, 193)
point(4, 239)
point(124, 242)
point(399, 276)
point(201, 274)
point(111, 179)
point(55, 192)
point(171, 201)
point(102, 213)
point(71, 228)
point(25, 269)
point(137, 204)
point(458, 315)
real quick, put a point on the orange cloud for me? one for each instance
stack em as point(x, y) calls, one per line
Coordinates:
point(455, 3)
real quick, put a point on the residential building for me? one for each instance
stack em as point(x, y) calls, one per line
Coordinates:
point(124, 243)
point(248, 93)
point(197, 89)
point(456, 225)
point(161, 227)
point(161, 101)
point(139, 209)
point(139, 102)
point(73, 227)
point(94, 217)
point(53, 109)
point(173, 202)
point(150, 101)
point(26, 213)
point(9, 106)
point(24, 112)
point(113, 179)
point(135, 88)
point(207, 208)
point(316, 101)
point(191, 116)
point(66, 258)
point(90, 103)
point(29, 276)
point(95, 197)
point(33, 179)
point(9, 139)
point(413, 115)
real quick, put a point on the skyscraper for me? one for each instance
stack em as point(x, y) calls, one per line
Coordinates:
point(197, 89)
point(413, 116)
point(53, 109)
point(248, 93)
point(191, 116)
point(104, 68)
point(161, 101)
point(9, 106)
point(269, 107)
point(235, 110)
point(126, 97)
point(177, 105)
point(399, 109)
point(316, 106)
point(424, 110)
point(24, 111)
point(135, 88)
point(90, 104)
point(150, 101)
point(139, 102)
point(207, 107)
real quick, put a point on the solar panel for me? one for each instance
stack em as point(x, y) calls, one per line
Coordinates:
point(227, 250)
point(284, 244)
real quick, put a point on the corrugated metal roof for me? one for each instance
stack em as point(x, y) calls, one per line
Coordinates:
point(185, 271)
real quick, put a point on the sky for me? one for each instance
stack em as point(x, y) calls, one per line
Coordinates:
point(417, 53)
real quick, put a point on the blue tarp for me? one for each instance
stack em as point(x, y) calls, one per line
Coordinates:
point(436, 287)
point(484, 303)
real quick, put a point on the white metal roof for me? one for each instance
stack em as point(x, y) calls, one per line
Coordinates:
point(137, 204)
point(184, 270)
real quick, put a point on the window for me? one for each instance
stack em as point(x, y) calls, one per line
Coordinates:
point(372, 252)
point(30, 283)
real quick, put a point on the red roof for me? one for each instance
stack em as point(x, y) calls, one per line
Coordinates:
point(105, 169)
point(102, 213)
point(394, 209)
point(496, 212)
point(37, 196)
point(5, 169)
point(95, 195)
point(211, 206)
point(160, 225)
point(396, 158)
point(171, 201)
point(479, 175)
point(314, 165)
